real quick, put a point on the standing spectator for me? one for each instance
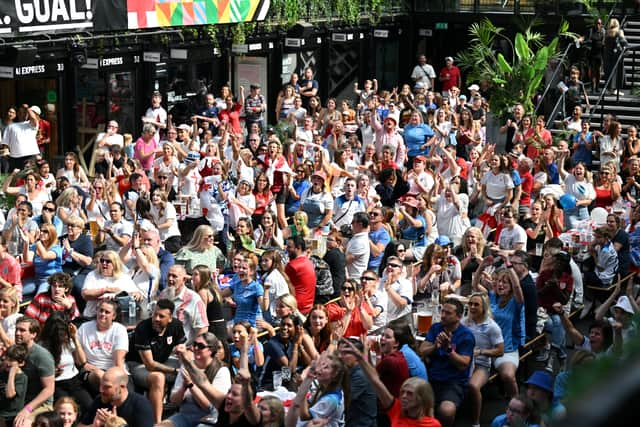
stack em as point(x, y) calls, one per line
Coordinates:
point(318, 203)
point(614, 43)
point(449, 346)
point(450, 75)
point(301, 273)
point(595, 42)
point(605, 259)
point(10, 270)
point(105, 343)
point(358, 250)
point(189, 308)
point(423, 73)
point(155, 114)
point(73, 171)
point(20, 136)
point(363, 407)
point(40, 370)
point(146, 147)
point(308, 87)
point(512, 125)
point(336, 260)
point(386, 134)
point(378, 238)
point(114, 399)
point(399, 291)
point(254, 106)
point(520, 261)
point(247, 293)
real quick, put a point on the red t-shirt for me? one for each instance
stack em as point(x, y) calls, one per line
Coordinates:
point(233, 117)
point(303, 278)
point(549, 294)
point(393, 371)
point(355, 327)
point(397, 420)
point(527, 187)
point(454, 77)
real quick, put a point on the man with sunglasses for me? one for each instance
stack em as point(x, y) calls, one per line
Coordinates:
point(379, 238)
point(399, 291)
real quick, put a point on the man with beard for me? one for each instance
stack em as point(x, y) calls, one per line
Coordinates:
point(148, 357)
point(115, 399)
point(189, 308)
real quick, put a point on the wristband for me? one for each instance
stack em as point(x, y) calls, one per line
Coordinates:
point(189, 386)
point(29, 408)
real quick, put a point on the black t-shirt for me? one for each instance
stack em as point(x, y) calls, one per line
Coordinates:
point(530, 305)
point(470, 268)
point(337, 264)
point(136, 411)
point(223, 420)
point(84, 246)
point(161, 346)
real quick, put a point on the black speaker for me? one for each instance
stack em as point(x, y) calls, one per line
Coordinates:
point(22, 54)
point(301, 30)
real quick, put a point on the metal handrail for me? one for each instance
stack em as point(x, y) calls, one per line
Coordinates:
point(601, 97)
point(553, 77)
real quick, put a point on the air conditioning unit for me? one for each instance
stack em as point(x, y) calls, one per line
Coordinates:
point(339, 37)
point(290, 42)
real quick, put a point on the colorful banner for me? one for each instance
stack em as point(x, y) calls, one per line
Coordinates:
point(172, 13)
point(24, 17)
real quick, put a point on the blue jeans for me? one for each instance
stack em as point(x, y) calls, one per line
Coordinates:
point(554, 325)
point(32, 287)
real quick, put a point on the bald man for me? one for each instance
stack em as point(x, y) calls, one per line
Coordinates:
point(115, 399)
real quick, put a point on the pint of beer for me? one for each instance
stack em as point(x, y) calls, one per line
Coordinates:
point(93, 228)
point(425, 318)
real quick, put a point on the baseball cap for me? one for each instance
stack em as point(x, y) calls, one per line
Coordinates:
point(443, 241)
point(473, 87)
point(36, 109)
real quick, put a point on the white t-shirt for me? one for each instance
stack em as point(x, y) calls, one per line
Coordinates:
point(235, 212)
point(100, 346)
point(160, 165)
point(359, 247)
point(169, 214)
point(496, 185)
point(21, 139)
point(405, 289)
point(277, 287)
point(96, 281)
point(423, 73)
point(510, 238)
point(113, 140)
point(67, 363)
point(580, 189)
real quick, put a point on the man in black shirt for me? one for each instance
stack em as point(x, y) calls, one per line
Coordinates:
point(520, 262)
point(148, 358)
point(115, 399)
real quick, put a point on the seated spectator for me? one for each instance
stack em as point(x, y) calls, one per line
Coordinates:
point(449, 346)
point(40, 371)
point(77, 253)
point(69, 204)
point(275, 282)
point(272, 411)
point(399, 291)
point(328, 401)
point(68, 410)
point(200, 250)
point(165, 258)
point(57, 299)
point(9, 314)
point(107, 281)
point(246, 293)
point(194, 403)
point(144, 271)
point(48, 216)
point(46, 256)
point(318, 331)
point(206, 285)
point(14, 383)
point(521, 410)
point(624, 329)
point(115, 399)
point(540, 390)
point(283, 350)
point(245, 335)
point(104, 341)
point(301, 273)
point(117, 231)
point(189, 308)
point(353, 311)
point(10, 270)
point(416, 408)
point(60, 338)
point(148, 360)
point(605, 259)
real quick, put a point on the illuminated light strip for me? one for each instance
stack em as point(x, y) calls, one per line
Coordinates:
point(5, 30)
point(69, 26)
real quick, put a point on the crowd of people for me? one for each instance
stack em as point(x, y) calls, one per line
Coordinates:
point(209, 260)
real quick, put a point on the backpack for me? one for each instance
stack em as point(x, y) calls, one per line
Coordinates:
point(324, 280)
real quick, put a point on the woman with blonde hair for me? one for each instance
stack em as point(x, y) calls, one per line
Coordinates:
point(489, 344)
point(9, 314)
point(470, 252)
point(200, 250)
point(46, 256)
point(144, 271)
point(69, 204)
point(166, 221)
point(105, 282)
point(204, 284)
point(433, 274)
point(102, 194)
point(299, 226)
point(272, 411)
point(614, 44)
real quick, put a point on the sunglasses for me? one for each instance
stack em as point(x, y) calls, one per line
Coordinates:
point(374, 214)
point(163, 177)
point(394, 265)
point(49, 209)
point(347, 289)
point(105, 261)
point(199, 346)
point(367, 279)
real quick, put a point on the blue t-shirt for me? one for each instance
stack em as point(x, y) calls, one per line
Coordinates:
point(378, 236)
point(417, 235)
point(235, 353)
point(510, 318)
point(415, 364)
point(57, 223)
point(300, 187)
point(246, 298)
point(515, 177)
point(554, 175)
point(582, 154)
point(274, 350)
point(415, 136)
point(501, 420)
point(440, 367)
point(45, 268)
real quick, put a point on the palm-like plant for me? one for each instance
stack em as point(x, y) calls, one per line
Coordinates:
point(515, 82)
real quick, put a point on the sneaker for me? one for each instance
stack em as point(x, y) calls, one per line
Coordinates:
point(588, 305)
point(545, 353)
point(618, 92)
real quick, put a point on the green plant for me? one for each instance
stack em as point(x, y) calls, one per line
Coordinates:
point(511, 82)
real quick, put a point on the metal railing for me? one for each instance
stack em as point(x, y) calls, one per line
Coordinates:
point(552, 80)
